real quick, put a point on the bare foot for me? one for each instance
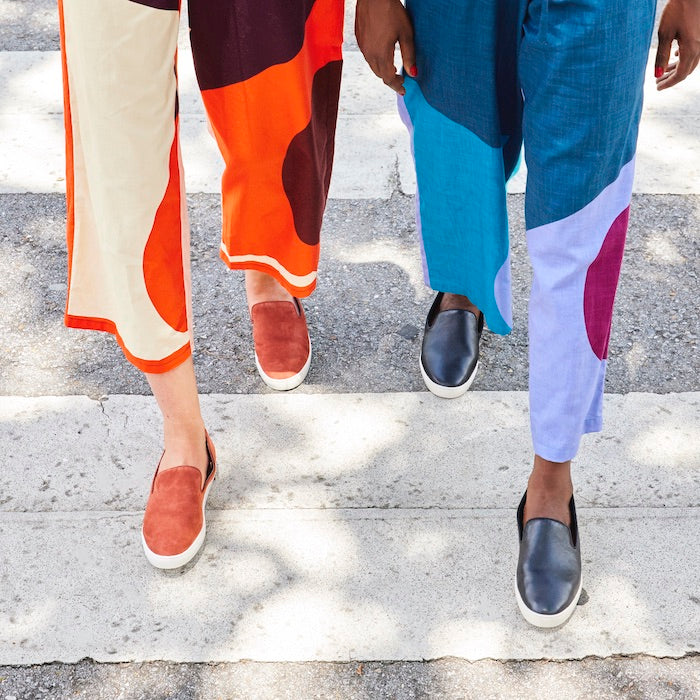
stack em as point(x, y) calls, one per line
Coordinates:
point(549, 490)
point(259, 286)
point(457, 301)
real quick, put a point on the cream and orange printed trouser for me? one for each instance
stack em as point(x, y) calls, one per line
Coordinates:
point(269, 72)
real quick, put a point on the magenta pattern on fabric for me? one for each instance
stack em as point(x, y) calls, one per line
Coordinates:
point(601, 284)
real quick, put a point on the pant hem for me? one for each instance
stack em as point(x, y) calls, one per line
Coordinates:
point(300, 292)
point(149, 366)
point(566, 452)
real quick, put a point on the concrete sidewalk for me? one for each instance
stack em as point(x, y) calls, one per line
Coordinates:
point(345, 527)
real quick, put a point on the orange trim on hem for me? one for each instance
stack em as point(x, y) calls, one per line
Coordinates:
point(149, 366)
point(300, 292)
point(70, 156)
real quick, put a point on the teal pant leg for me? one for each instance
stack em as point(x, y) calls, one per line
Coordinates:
point(463, 113)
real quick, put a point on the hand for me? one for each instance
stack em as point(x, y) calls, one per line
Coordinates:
point(680, 21)
point(379, 24)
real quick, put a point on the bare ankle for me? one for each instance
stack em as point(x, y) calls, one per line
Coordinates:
point(260, 287)
point(185, 445)
point(458, 301)
point(549, 491)
point(551, 475)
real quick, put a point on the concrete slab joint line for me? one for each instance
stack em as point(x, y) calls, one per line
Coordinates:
point(324, 549)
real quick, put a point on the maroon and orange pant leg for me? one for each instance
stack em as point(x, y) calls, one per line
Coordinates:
point(269, 72)
point(272, 100)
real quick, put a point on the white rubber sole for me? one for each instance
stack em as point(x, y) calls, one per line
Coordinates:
point(289, 382)
point(446, 392)
point(547, 621)
point(175, 561)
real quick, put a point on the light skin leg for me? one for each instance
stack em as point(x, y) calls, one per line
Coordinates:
point(176, 393)
point(260, 286)
point(183, 427)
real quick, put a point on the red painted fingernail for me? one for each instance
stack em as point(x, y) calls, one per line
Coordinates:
point(658, 72)
point(413, 70)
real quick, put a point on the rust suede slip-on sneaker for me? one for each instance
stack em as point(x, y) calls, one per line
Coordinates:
point(282, 346)
point(174, 524)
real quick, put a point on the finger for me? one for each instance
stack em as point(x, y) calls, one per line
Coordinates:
point(408, 52)
point(386, 70)
point(396, 84)
point(664, 75)
point(681, 70)
point(388, 74)
point(671, 67)
point(663, 52)
point(664, 81)
point(382, 65)
point(684, 66)
point(373, 66)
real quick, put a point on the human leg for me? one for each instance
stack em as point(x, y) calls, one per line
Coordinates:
point(183, 426)
point(127, 225)
point(261, 287)
point(449, 358)
point(580, 126)
point(271, 93)
point(549, 489)
point(463, 115)
point(174, 524)
point(128, 237)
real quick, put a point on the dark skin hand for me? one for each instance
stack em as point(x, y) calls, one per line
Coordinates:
point(379, 26)
point(680, 21)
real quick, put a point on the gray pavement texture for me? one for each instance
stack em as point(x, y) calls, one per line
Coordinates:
point(28, 25)
point(72, 456)
point(324, 548)
point(635, 678)
point(366, 317)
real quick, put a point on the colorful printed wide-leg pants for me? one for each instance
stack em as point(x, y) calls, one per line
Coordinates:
point(269, 71)
point(566, 78)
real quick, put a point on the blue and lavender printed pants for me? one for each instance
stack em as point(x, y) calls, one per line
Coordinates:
point(564, 77)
